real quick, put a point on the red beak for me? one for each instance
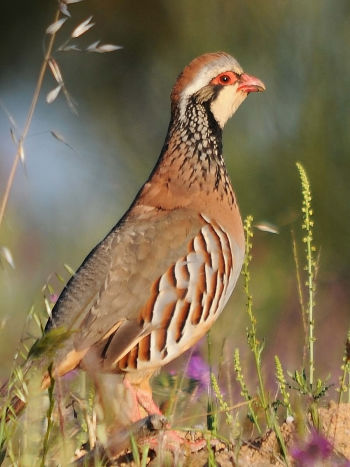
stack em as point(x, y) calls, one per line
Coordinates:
point(249, 83)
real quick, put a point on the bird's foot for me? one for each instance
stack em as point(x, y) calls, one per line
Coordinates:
point(173, 441)
point(154, 431)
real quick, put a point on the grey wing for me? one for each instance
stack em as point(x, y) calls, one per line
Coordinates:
point(114, 283)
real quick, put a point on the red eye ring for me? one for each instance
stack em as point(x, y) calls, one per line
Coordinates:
point(224, 79)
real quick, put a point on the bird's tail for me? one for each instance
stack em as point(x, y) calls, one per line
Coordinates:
point(14, 392)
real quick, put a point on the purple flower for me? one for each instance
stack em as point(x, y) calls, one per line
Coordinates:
point(198, 369)
point(316, 448)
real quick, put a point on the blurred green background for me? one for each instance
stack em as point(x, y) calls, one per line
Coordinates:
point(65, 200)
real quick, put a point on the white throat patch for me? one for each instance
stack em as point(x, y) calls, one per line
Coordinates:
point(226, 103)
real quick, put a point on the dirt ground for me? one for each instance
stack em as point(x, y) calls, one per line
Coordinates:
point(330, 448)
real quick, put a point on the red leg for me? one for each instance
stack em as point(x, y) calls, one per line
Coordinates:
point(135, 413)
point(145, 400)
point(144, 405)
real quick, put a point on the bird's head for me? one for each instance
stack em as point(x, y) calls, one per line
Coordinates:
point(217, 81)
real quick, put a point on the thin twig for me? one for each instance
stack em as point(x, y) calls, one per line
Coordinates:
point(28, 122)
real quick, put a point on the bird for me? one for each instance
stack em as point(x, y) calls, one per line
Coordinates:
point(160, 278)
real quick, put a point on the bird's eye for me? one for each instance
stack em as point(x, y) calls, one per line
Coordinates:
point(224, 79)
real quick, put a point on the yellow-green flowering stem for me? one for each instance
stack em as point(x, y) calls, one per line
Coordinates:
point(244, 389)
point(222, 404)
point(283, 385)
point(308, 225)
point(344, 386)
point(255, 345)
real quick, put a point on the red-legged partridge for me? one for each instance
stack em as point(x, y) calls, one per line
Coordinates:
point(161, 277)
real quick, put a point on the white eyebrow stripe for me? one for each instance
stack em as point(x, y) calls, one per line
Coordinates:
point(210, 71)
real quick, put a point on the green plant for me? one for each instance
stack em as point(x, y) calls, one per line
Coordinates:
point(222, 404)
point(283, 386)
point(344, 380)
point(49, 415)
point(310, 265)
point(212, 417)
point(255, 345)
point(244, 390)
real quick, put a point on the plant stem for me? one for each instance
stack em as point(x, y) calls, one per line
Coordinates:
point(282, 385)
point(343, 387)
point(212, 416)
point(27, 122)
point(311, 305)
point(310, 264)
point(49, 418)
point(253, 342)
point(244, 389)
point(301, 297)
